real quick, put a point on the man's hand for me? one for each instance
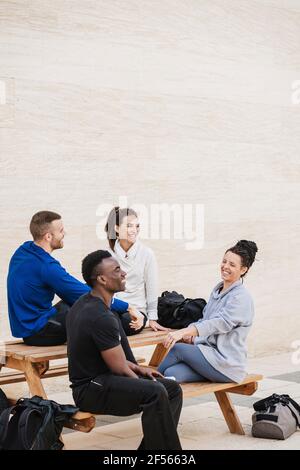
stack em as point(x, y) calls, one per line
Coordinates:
point(156, 326)
point(173, 337)
point(137, 318)
point(149, 373)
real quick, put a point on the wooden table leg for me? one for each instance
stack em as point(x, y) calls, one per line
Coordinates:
point(33, 378)
point(158, 355)
point(229, 413)
point(42, 367)
point(13, 363)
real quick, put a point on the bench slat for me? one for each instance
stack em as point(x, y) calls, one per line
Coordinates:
point(194, 389)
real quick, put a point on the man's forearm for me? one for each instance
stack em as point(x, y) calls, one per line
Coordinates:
point(125, 371)
point(134, 367)
point(122, 368)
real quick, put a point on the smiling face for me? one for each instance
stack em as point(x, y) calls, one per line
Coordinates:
point(111, 276)
point(129, 229)
point(231, 268)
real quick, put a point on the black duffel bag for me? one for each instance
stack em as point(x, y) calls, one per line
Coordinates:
point(175, 311)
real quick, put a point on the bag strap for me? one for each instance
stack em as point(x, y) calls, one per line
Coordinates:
point(294, 403)
point(4, 422)
point(294, 415)
point(266, 417)
point(177, 309)
point(23, 426)
point(265, 403)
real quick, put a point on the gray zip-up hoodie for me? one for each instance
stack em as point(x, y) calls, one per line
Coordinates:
point(226, 322)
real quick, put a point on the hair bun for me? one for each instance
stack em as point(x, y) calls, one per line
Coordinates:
point(248, 246)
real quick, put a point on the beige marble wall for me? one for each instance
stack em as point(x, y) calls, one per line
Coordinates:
point(164, 101)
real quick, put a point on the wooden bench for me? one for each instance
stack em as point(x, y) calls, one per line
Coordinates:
point(32, 363)
point(221, 390)
point(85, 422)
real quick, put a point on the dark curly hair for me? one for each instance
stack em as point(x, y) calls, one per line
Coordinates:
point(247, 251)
point(90, 265)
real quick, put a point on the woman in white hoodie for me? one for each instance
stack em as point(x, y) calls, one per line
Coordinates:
point(139, 263)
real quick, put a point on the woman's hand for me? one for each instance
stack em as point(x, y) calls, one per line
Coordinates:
point(156, 326)
point(137, 318)
point(188, 339)
point(173, 337)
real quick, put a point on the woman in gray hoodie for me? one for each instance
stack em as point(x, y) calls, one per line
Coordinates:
point(214, 348)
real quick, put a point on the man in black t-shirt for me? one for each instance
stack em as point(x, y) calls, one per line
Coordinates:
point(103, 371)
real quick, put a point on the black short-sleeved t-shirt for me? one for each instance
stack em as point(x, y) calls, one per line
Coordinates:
point(92, 328)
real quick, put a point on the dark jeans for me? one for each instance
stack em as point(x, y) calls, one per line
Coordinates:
point(54, 332)
point(160, 402)
point(126, 319)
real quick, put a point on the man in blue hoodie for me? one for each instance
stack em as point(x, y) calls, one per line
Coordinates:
point(34, 277)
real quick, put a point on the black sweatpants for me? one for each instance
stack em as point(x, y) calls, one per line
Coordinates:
point(54, 332)
point(160, 402)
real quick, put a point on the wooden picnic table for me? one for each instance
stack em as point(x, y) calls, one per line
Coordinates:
point(33, 362)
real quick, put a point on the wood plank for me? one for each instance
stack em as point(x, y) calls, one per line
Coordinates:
point(17, 377)
point(13, 348)
point(147, 337)
point(34, 380)
point(81, 421)
point(38, 357)
point(12, 363)
point(55, 371)
point(11, 341)
point(147, 340)
point(22, 351)
point(246, 389)
point(195, 389)
point(158, 355)
point(19, 350)
point(229, 413)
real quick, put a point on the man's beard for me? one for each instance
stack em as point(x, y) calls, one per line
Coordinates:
point(57, 244)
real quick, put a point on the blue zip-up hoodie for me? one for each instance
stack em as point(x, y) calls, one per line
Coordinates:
point(34, 277)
